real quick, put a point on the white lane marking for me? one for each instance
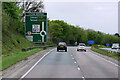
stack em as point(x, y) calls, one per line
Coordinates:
point(35, 65)
point(75, 62)
point(78, 68)
point(71, 55)
point(106, 60)
point(72, 58)
point(83, 78)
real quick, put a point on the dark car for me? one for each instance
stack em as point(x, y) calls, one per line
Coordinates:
point(62, 46)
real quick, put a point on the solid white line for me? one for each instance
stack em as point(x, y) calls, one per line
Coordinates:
point(106, 60)
point(72, 58)
point(35, 64)
point(71, 55)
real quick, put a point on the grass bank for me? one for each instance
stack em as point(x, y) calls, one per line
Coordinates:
point(10, 59)
point(112, 55)
point(13, 40)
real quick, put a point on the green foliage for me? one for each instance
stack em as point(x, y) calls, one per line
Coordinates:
point(11, 9)
point(13, 30)
point(16, 57)
point(11, 17)
point(91, 35)
point(110, 39)
point(13, 39)
point(13, 34)
point(113, 55)
point(61, 31)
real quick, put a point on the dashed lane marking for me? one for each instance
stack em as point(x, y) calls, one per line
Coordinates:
point(83, 78)
point(78, 68)
point(75, 62)
point(72, 58)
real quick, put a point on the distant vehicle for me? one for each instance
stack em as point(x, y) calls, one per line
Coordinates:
point(118, 52)
point(62, 46)
point(115, 46)
point(81, 47)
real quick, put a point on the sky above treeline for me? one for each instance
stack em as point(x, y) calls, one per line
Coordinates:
point(95, 14)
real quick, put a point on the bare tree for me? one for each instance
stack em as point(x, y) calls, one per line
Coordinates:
point(30, 6)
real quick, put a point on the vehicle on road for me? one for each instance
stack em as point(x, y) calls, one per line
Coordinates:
point(62, 46)
point(115, 46)
point(118, 52)
point(81, 47)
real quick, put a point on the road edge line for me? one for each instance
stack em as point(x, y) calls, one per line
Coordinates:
point(35, 64)
point(106, 60)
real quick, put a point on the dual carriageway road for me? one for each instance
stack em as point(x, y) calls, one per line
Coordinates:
point(73, 64)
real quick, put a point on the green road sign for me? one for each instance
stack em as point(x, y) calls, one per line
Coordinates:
point(36, 27)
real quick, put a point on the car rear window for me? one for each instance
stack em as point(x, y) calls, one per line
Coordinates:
point(62, 43)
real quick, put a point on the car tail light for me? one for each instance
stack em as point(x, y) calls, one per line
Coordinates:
point(65, 46)
point(57, 45)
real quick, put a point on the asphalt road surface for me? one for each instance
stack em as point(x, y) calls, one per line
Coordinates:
point(73, 64)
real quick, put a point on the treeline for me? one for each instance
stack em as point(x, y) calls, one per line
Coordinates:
point(61, 31)
point(11, 18)
point(13, 39)
point(57, 30)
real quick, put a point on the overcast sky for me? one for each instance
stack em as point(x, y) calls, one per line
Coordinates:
point(96, 15)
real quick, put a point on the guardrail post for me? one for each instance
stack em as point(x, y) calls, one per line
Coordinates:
point(23, 50)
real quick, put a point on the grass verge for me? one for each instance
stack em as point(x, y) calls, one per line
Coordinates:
point(10, 59)
point(112, 55)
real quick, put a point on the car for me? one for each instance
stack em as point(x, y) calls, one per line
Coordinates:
point(81, 47)
point(115, 46)
point(62, 46)
point(118, 52)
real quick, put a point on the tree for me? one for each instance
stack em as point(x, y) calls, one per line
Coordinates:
point(116, 34)
point(91, 35)
point(11, 9)
point(30, 6)
point(99, 37)
point(11, 17)
point(61, 31)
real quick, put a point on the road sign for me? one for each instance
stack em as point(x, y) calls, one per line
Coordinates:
point(90, 42)
point(107, 44)
point(36, 27)
point(29, 33)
